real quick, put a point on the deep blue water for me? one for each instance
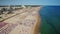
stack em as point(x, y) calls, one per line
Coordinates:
point(50, 19)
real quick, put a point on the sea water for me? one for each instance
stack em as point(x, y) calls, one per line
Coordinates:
point(50, 19)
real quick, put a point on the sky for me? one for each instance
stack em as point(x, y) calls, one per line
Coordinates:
point(29, 2)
